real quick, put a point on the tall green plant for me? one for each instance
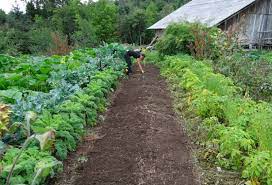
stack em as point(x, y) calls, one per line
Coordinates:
point(195, 39)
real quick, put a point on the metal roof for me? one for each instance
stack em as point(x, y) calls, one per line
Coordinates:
point(209, 12)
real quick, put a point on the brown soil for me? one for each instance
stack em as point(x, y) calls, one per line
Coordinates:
point(141, 141)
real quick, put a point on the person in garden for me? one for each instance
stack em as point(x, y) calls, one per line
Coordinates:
point(139, 58)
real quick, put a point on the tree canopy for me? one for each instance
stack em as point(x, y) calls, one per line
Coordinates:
point(47, 22)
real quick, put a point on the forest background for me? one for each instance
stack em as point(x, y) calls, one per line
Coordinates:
point(57, 26)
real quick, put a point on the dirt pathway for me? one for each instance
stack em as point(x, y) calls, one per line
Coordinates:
point(140, 141)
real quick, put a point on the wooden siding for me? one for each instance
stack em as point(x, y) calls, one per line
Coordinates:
point(254, 23)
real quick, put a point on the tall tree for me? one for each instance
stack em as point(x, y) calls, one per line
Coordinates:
point(152, 12)
point(82, 24)
point(65, 19)
point(3, 17)
point(44, 8)
point(104, 19)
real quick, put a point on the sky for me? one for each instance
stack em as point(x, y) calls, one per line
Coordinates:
point(7, 5)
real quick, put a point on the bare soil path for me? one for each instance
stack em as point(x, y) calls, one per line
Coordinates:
point(140, 142)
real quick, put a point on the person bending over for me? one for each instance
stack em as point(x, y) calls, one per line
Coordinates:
point(139, 58)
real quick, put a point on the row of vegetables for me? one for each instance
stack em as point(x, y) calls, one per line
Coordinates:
point(239, 130)
point(39, 128)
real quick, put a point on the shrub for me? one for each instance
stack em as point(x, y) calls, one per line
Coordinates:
point(176, 39)
point(234, 144)
point(250, 71)
point(258, 168)
point(195, 39)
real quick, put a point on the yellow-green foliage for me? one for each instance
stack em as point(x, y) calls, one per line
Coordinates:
point(240, 127)
point(4, 118)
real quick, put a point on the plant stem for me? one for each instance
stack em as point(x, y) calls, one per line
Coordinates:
point(17, 158)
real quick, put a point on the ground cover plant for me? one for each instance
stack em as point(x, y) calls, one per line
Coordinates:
point(44, 118)
point(238, 128)
point(229, 91)
point(250, 70)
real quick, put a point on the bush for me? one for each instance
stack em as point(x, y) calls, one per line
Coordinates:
point(152, 57)
point(41, 40)
point(176, 39)
point(250, 71)
point(258, 168)
point(195, 39)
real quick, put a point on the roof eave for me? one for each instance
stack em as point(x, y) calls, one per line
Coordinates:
point(156, 28)
point(214, 23)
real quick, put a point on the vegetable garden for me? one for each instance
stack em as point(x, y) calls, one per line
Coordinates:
point(239, 129)
point(46, 104)
point(235, 110)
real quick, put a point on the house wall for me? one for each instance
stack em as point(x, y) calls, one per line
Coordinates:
point(159, 32)
point(254, 24)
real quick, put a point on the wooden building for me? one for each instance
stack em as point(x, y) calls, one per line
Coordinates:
point(251, 19)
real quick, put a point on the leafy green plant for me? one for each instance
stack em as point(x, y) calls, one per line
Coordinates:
point(258, 167)
point(238, 129)
point(260, 126)
point(176, 39)
point(208, 104)
point(31, 161)
point(75, 91)
point(252, 74)
point(234, 143)
point(7, 63)
point(192, 38)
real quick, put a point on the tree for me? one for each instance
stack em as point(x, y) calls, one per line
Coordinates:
point(85, 35)
point(152, 12)
point(65, 19)
point(44, 8)
point(2, 17)
point(104, 20)
point(167, 9)
point(40, 36)
point(80, 24)
point(136, 26)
